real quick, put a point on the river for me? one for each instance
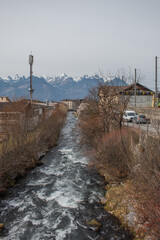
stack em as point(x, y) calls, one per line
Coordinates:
point(54, 201)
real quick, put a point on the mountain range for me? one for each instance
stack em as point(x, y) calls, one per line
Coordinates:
point(53, 88)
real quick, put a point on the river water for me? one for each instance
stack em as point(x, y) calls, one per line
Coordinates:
point(54, 201)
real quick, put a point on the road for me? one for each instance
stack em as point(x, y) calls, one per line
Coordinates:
point(148, 128)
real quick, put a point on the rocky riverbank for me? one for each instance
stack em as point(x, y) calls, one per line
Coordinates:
point(119, 201)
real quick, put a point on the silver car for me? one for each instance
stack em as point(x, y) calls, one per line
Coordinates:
point(141, 119)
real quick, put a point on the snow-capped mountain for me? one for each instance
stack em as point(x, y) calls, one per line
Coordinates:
point(115, 81)
point(14, 78)
point(53, 88)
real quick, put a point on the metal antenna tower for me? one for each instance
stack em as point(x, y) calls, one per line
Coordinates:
point(31, 90)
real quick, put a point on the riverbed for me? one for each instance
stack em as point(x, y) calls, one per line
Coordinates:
point(56, 200)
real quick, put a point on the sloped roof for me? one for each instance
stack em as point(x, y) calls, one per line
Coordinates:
point(138, 86)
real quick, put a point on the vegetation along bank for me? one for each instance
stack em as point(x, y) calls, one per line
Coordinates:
point(26, 139)
point(128, 159)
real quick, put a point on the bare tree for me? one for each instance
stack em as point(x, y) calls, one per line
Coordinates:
point(104, 110)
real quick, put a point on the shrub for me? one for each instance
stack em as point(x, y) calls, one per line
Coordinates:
point(146, 180)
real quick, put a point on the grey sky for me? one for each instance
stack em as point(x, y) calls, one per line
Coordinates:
point(79, 36)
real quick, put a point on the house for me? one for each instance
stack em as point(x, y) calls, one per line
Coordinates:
point(4, 99)
point(144, 96)
point(71, 104)
point(81, 108)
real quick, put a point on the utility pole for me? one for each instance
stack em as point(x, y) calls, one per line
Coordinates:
point(135, 79)
point(122, 79)
point(156, 95)
point(31, 90)
point(122, 85)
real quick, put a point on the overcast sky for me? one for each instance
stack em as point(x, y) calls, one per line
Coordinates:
point(79, 36)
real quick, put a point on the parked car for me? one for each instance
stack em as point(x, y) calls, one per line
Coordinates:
point(128, 116)
point(141, 119)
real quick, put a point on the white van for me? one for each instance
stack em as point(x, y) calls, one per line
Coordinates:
point(128, 116)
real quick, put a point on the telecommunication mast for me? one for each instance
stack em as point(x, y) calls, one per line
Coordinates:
point(31, 90)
